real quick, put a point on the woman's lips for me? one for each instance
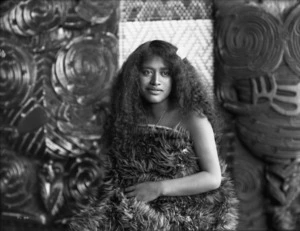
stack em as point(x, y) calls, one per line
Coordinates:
point(154, 91)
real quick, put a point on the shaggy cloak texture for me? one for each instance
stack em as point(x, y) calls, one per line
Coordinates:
point(155, 153)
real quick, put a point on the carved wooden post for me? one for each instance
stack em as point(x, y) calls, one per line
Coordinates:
point(258, 49)
point(57, 62)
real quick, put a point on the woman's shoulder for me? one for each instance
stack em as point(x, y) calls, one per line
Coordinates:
point(195, 122)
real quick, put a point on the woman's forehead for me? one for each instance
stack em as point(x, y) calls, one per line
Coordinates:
point(155, 60)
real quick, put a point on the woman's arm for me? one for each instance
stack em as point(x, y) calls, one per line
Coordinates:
point(205, 148)
point(208, 179)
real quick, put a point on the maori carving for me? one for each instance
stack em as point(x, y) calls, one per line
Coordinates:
point(259, 59)
point(95, 11)
point(250, 39)
point(71, 186)
point(292, 27)
point(22, 97)
point(83, 69)
point(56, 66)
point(282, 98)
point(85, 177)
point(24, 114)
point(18, 70)
point(30, 17)
point(16, 180)
point(247, 170)
point(18, 186)
point(283, 183)
point(52, 186)
point(80, 82)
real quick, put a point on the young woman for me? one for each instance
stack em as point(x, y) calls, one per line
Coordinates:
point(162, 148)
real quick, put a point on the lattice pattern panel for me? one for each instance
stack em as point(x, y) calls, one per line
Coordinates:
point(193, 35)
point(149, 10)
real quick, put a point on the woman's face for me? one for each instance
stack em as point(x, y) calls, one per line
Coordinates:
point(155, 80)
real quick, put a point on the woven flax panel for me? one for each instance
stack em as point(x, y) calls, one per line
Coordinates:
point(149, 10)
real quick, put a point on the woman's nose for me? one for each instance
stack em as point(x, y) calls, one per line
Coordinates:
point(155, 80)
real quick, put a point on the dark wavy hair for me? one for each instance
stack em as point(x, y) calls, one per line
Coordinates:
point(187, 91)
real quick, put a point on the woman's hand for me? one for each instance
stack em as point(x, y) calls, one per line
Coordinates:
point(146, 191)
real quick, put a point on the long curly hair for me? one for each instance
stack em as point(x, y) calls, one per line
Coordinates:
point(188, 91)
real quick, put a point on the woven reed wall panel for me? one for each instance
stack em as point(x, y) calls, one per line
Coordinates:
point(149, 10)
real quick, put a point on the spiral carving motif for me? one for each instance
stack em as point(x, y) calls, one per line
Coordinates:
point(86, 175)
point(95, 11)
point(267, 131)
point(292, 54)
point(84, 69)
point(249, 38)
point(248, 174)
point(16, 181)
point(78, 121)
point(30, 17)
point(247, 182)
point(76, 131)
point(18, 73)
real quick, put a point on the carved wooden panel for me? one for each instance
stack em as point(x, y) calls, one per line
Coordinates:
point(258, 81)
point(57, 62)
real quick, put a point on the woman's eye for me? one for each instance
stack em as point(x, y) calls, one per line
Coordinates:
point(165, 73)
point(146, 72)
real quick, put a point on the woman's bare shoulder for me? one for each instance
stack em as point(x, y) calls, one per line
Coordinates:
point(197, 123)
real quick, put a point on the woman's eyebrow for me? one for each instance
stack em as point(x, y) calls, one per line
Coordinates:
point(145, 66)
point(151, 68)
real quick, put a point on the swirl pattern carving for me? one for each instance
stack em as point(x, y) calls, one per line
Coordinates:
point(81, 78)
point(292, 54)
point(74, 131)
point(17, 180)
point(247, 184)
point(18, 73)
point(269, 93)
point(83, 69)
point(57, 62)
point(246, 172)
point(30, 17)
point(95, 11)
point(248, 38)
point(85, 177)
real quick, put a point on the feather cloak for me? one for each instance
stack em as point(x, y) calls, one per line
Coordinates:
point(154, 153)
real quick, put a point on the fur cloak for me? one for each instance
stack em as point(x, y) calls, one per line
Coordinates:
point(154, 153)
